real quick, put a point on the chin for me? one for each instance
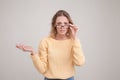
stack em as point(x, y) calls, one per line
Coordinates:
point(62, 34)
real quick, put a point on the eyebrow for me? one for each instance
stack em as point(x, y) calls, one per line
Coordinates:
point(63, 22)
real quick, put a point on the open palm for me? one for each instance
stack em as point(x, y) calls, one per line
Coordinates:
point(24, 48)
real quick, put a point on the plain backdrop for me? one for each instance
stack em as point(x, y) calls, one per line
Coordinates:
point(28, 21)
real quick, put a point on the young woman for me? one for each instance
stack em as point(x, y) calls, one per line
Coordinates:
point(60, 51)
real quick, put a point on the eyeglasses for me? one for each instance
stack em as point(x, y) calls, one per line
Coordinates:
point(66, 25)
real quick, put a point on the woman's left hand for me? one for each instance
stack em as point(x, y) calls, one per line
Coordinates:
point(74, 29)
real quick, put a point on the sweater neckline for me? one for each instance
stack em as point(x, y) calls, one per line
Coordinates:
point(60, 40)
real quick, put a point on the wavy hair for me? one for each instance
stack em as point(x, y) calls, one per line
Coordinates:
point(53, 31)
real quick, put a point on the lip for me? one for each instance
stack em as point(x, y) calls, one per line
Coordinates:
point(62, 30)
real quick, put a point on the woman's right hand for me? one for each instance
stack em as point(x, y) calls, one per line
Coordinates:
point(25, 48)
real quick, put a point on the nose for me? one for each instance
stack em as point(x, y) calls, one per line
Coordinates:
point(62, 25)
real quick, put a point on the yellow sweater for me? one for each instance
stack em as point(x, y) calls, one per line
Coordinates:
point(57, 58)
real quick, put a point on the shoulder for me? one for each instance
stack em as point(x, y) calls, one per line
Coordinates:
point(46, 39)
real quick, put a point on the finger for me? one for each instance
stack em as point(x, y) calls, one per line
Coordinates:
point(18, 46)
point(78, 29)
point(24, 48)
point(74, 26)
point(71, 25)
point(71, 29)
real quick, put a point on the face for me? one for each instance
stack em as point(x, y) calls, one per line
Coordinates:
point(62, 25)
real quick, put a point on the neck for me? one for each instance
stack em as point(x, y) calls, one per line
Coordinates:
point(60, 37)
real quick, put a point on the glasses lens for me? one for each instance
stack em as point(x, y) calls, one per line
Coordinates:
point(60, 25)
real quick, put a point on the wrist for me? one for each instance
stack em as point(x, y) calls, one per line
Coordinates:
point(74, 37)
point(32, 52)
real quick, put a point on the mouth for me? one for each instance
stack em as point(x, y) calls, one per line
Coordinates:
point(62, 30)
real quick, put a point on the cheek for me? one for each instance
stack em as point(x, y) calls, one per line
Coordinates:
point(57, 30)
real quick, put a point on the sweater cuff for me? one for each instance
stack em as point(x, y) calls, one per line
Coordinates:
point(35, 57)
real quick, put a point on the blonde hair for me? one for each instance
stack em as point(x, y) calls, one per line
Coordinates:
point(53, 31)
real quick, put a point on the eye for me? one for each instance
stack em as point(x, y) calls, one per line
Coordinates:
point(59, 23)
point(65, 23)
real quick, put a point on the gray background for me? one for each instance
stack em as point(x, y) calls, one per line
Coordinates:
point(28, 21)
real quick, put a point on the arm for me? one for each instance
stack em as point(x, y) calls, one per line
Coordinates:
point(40, 59)
point(78, 57)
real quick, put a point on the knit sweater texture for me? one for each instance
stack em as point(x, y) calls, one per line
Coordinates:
point(57, 58)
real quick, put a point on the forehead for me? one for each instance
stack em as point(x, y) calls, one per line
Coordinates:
point(61, 19)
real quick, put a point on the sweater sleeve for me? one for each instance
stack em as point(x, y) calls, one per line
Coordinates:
point(78, 57)
point(40, 59)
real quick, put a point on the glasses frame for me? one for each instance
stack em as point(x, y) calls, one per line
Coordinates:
point(64, 26)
